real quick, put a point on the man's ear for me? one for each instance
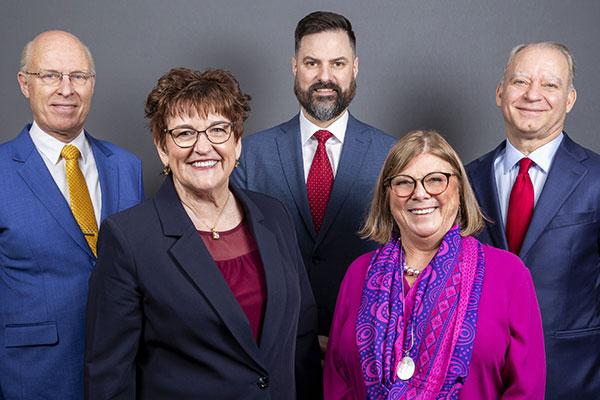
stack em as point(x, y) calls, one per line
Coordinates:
point(22, 79)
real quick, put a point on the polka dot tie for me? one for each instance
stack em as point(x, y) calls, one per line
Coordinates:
point(81, 204)
point(520, 207)
point(320, 180)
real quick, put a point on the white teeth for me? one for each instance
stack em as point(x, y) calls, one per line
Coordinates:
point(423, 211)
point(204, 164)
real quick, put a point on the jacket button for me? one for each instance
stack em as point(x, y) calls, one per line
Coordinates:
point(263, 382)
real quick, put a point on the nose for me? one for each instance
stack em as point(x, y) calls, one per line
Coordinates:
point(203, 145)
point(533, 92)
point(65, 87)
point(420, 192)
point(324, 73)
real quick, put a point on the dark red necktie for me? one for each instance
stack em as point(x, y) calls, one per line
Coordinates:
point(320, 180)
point(520, 207)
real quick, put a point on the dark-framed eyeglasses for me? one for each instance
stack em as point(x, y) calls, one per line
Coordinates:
point(434, 183)
point(186, 137)
point(53, 78)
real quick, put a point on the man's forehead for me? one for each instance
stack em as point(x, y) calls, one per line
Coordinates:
point(65, 52)
point(544, 59)
point(333, 43)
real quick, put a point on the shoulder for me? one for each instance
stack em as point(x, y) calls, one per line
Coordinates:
point(268, 206)
point(484, 160)
point(137, 219)
point(588, 157)
point(502, 265)
point(376, 135)
point(355, 275)
point(271, 134)
point(112, 150)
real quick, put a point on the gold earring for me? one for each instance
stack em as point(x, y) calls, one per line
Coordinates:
point(166, 170)
point(237, 164)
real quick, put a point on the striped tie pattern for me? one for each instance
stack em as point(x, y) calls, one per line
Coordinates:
point(81, 203)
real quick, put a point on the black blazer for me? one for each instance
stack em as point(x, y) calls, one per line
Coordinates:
point(163, 324)
point(562, 250)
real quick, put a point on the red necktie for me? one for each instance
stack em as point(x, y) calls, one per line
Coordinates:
point(320, 180)
point(520, 207)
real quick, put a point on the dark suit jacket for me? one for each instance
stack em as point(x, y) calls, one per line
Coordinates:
point(562, 250)
point(45, 263)
point(271, 163)
point(162, 320)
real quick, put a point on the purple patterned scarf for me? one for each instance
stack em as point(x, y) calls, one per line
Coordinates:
point(443, 320)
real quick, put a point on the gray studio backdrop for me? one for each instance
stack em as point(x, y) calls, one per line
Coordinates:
point(423, 64)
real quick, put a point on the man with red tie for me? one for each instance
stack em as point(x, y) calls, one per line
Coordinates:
point(322, 164)
point(541, 193)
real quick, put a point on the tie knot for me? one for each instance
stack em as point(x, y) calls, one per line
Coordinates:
point(322, 136)
point(70, 152)
point(524, 165)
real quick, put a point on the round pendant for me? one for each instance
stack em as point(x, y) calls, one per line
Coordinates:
point(406, 368)
point(215, 235)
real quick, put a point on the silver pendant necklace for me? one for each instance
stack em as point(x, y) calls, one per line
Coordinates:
point(406, 367)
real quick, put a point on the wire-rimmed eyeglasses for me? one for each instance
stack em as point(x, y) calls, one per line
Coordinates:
point(53, 78)
point(434, 183)
point(186, 137)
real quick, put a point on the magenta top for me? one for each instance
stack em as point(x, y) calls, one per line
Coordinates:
point(508, 359)
point(238, 259)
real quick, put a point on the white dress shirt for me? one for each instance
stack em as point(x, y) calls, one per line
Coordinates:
point(506, 169)
point(333, 146)
point(50, 148)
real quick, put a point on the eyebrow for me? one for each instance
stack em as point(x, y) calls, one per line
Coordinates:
point(191, 127)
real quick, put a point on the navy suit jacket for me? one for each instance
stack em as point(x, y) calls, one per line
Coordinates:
point(45, 263)
point(163, 324)
point(562, 250)
point(271, 163)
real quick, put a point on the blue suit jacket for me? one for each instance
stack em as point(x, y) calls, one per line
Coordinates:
point(45, 263)
point(271, 163)
point(163, 324)
point(562, 250)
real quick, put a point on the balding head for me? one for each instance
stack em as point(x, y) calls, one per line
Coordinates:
point(44, 39)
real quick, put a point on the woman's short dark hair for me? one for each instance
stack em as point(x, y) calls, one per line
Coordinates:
point(323, 21)
point(183, 91)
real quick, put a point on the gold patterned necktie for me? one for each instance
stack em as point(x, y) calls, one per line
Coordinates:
point(81, 203)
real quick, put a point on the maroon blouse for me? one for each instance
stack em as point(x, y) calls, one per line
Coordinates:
point(237, 257)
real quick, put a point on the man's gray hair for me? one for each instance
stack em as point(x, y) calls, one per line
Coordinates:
point(547, 45)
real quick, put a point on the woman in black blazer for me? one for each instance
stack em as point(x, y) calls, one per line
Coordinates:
point(200, 292)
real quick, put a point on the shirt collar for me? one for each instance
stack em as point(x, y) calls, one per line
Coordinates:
point(542, 156)
point(51, 147)
point(337, 128)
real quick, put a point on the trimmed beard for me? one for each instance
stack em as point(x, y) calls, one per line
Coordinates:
point(324, 108)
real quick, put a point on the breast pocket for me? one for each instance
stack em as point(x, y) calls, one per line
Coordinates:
point(36, 334)
point(569, 219)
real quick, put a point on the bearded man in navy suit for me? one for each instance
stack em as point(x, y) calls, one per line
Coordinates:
point(541, 193)
point(278, 161)
point(45, 256)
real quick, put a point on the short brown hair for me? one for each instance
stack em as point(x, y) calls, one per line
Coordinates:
point(323, 21)
point(183, 91)
point(380, 224)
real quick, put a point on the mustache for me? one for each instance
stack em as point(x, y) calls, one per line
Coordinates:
point(325, 85)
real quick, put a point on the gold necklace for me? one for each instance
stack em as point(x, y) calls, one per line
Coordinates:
point(213, 230)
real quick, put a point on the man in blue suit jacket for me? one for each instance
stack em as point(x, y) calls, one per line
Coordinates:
point(45, 260)
point(277, 161)
point(561, 244)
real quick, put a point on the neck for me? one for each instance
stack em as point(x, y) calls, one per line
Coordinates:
point(418, 255)
point(528, 145)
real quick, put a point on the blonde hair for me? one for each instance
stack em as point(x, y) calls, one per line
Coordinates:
point(380, 224)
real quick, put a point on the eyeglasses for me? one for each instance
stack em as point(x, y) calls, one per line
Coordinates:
point(434, 183)
point(78, 78)
point(187, 137)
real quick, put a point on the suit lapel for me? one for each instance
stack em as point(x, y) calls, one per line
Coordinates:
point(36, 176)
point(564, 176)
point(108, 175)
point(193, 257)
point(355, 148)
point(484, 184)
point(290, 155)
point(274, 277)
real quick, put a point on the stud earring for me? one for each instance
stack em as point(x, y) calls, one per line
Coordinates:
point(166, 170)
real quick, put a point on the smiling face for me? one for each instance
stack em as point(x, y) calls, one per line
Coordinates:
point(325, 70)
point(535, 97)
point(421, 217)
point(59, 110)
point(203, 169)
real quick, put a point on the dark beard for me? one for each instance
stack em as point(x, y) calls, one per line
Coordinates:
point(324, 108)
